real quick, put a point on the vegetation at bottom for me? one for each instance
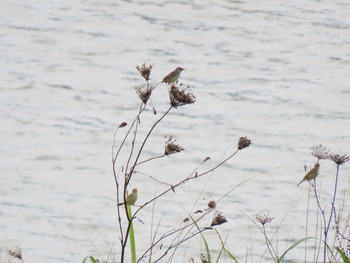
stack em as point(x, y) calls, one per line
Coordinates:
point(130, 141)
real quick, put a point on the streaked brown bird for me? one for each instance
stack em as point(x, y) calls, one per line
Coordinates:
point(311, 174)
point(173, 76)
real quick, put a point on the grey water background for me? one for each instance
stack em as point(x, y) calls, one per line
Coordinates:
point(274, 71)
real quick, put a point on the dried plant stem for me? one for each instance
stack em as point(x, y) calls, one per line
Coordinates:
point(128, 177)
point(267, 240)
point(151, 159)
point(326, 224)
point(188, 178)
point(132, 168)
point(332, 210)
point(270, 246)
point(181, 241)
point(114, 160)
point(215, 167)
point(307, 221)
point(177, 231)
point(152, 178)
point(323, 218)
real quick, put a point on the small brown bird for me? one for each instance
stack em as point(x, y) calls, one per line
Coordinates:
point(173, 76)
point(131, 198)
point(311, 174)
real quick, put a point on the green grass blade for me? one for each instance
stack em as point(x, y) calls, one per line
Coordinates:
point(331, 252)
point(230, 255)
point(93, 260)
point(207, 250)
point(219, 256)
point(342, 255)
point(292, 246)
point(132, 237)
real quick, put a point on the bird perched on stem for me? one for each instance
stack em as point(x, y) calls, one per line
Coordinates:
point(173, 76)
point(131, 198)
point(311, 174)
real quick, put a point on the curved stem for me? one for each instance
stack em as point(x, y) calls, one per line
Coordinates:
point(269, 245)
point(323, 217)
point(332, 209)
point(150, 159)
point(196, 175)
point(128, 176)
point(143, 144)
point(114, 159)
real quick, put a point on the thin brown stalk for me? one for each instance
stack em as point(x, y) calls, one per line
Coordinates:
point(171, 233)
point(323, 218)
point(151, 159)
point(128, 177)
point(267, 240)
point(188, 178)
point(132, 168)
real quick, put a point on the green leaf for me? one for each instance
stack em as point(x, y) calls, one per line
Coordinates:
point(230, 255)
point(293, 246)
point(342, 255)
point(205, 242)
point(93, 260)
point(132, 237)
point(219, 256)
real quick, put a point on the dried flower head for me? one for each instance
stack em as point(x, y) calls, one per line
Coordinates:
point(320, 152)
point(218, 219)
point(180, 97)
point(212, 204)
point(204, 259)
point(15, 252)
point(123, 124)
point(263, 219)
point(144, 92)
point(243, 142)
point(207, 159)
point(339, 159)
point(145, 71)
point(171, 147)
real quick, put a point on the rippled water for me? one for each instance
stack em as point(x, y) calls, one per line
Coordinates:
point(273, 71)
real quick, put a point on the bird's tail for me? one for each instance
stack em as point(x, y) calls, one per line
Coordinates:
point(300, 182)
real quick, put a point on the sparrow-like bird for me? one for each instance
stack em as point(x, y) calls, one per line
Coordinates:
point(173, 76)
point(131, 198)
point(311, 174)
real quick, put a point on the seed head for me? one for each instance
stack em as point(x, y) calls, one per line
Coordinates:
point(123, 124)
point(320, 152)
point(180, 97)
point(171, 147)
point(144, 92)
point(204, 259)
point(218, 219)
point(145, 71)
point(263, 219)
point(207, 159)
point(243, 142)
point(212, 204)
point(339, 159)
point(16, 252)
